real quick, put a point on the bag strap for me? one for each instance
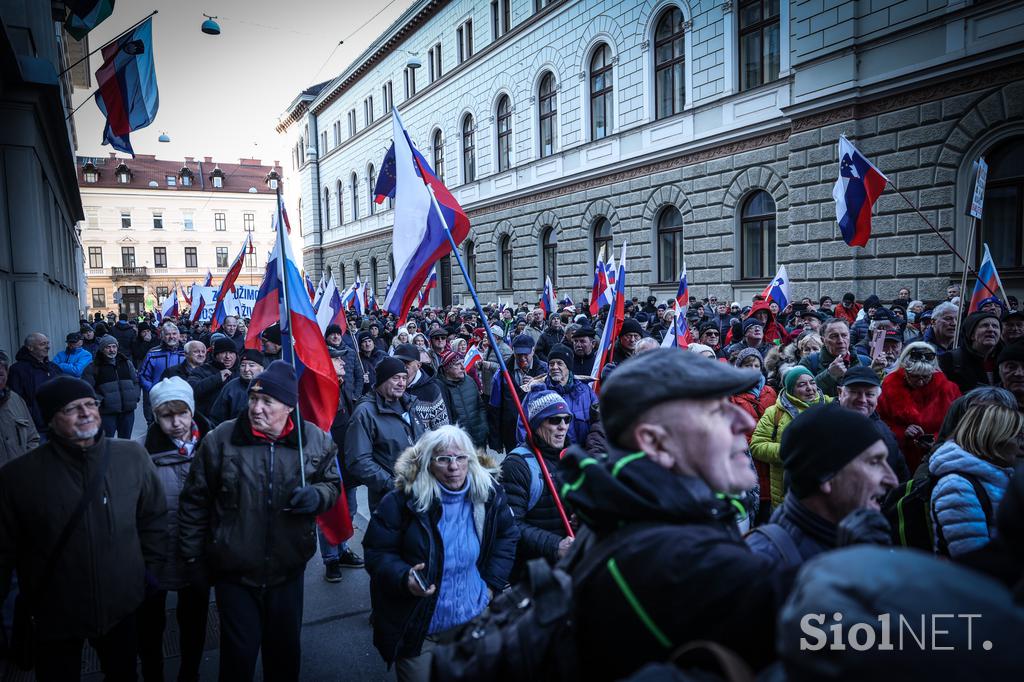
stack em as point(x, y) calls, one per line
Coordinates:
point(703, 654)
point(782, 541)
point(536, 481)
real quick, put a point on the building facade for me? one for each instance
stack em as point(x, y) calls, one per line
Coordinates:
point(40, 253)
point(151, 223)
point(695, 130)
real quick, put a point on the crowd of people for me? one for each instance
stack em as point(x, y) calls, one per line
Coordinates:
point(726, 478)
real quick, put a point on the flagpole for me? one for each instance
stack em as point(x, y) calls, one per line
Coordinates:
point(117, 37)
point(548, 481)
point(283, 309)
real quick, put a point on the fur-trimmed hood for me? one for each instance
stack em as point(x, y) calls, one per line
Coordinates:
point(407, 468)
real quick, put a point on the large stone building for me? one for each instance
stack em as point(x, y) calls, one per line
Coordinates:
point(150, 223)
point(40, 254)
point(693, 129)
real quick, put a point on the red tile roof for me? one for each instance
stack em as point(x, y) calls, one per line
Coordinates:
point(238, 177)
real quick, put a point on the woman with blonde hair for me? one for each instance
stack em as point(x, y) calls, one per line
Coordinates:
point(437, 548)
point(973, 469)
point(401, 337)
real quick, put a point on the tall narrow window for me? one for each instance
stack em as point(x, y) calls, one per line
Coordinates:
point(464, 40)
point(388, 97)
point(602, 238)
point(220, 223)
point(158, 220)
point(371, 183)
point(341, 204)
point(99, 297)
point(159, 256)
point(469, 249)
point(351, 122)
point(1002, 224)
point(669, 64)
point(548, 114)
point(373, 275)
point(222, 256)
point(128, 256)
point(126, 220)
point(410, 82)
point(249, 221)
point(327, 208)
point(95, 256)
point(368, 110)
point(549, 254)
point(670, 244)
point(323, 142)
point(757, 236)
point(336, 132)
point(759, 42)
point(434, 62)
point(188, 220)
point(437, 144)
point(504, 133)
point(601, 95)
point(191, 258)
point(354, 193)
point(468, 150)
point(505, 262)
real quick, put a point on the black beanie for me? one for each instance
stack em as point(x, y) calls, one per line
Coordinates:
point(55, 394)
point(1014, 352)
point(387, 368)
point(560, 351)
point(279, 382)
point(272, 333)
point(253, 355)
point(224, 345)
point(821, 441)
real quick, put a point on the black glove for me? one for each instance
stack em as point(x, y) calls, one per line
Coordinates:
point(304, 500)
point(864, 527)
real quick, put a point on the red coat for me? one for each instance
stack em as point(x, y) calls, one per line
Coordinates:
point(773, 331)
point(755, 407)
point(850, 315)
point(900, 406)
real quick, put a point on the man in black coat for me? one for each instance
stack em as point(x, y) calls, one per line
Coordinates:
point(208, 379)
point(233, 398)
point(502, 414)
point(112, 375)
point(31, 369)
point(584, 348)
point(973, 363)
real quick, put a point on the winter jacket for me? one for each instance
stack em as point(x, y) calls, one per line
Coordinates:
point(583, 366)
point(156, 362)
point(767, 438)
point(597, 440)
point(465, 407)
point(399, 537)
point(895, 459)
point(548, 338)
point(231, 510)
point(238, 339)
point(807, 535)
point(125, 335)
point(849, 314)
point(232, 400)
point(99, 577)
point(968, 370)
point(368, 365)
point(141, 347)
point(172, 468)
point(206, 382)
point(754, 402)
point(929, 337)
point(430, 405)
point(73, 362)
point(18, 433)
point(696, 558)
point(25, 377)
point(819, 363)
point(773, 330)
point(377, 434)
point(541, 527)
point(338, 428)
point(742, 344)
point(957, 513)
point(502, 415)
point(353, 386)
point(115, 382)
point(899, 406)
point(580, 397)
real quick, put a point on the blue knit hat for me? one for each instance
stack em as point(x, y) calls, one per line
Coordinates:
point(542, 403)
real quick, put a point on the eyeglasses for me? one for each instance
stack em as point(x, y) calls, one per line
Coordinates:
point(445, 460)
point(559, 419)
point(921, 356)
point(81, 407)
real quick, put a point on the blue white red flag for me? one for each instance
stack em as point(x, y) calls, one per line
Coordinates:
point(473, 356)
point(425, 294)
point(127, 93)
point(683, 292)
point(331, 310)
point(860, 183)
point(228, 285)
point(310, 289)
point(567, 301)
point(348, 298)
point(419, 236)
point(547, 298)
point(988, 284)
point(600, 284)
point(185, 293)
point(778, 289)
point(679, 336)
point(208, 282)
point(169, 307)
point(359, 299)
point(613, 325)
point(266, 311)
point(371, 300)
point(198, 305)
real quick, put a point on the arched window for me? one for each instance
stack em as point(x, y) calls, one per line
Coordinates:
point(601, 95)
point(358, 269)
point(437, 144)
point(468, 150)
point(669, 64)
point(602, 238)
point(371, 184)
point(548, 114)
point(373, 275)
point(469, 251)
point(505, 262)
point(341, 204)
point(757, 236)
point(327, 208)
point(670, 244)
point(391, 265)
point(504, 133)
point(549, 254)
point(1002, 224)
point(341, 275)
point(353, 190)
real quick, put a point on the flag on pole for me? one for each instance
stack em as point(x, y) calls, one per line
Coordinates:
point(227, 286)
point(683, 292)
point(473, 356)
point(612, 326)
point(198, 305)
point(547, 298)
point(359, 300)
point(266, 311)
point(418, 237)
point(349, 297)
point(988, 283)
point(310, 289)
point(85, 15)
point(597, 289)
point(127, 91)
point(169, 307)
point(860, 183)
point(185, 293)
point(331, 309)
point(431, 283)
point(778, 289)
point(371, 300)
point(208, 282)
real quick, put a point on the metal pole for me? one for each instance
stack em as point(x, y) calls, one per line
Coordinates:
point(284, 311)
point(548, 481)
point(963, 285)
point(118, 36)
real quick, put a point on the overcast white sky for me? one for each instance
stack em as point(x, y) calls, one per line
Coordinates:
point(220, 96)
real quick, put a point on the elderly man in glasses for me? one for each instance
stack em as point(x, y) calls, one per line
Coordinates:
point(82, 520)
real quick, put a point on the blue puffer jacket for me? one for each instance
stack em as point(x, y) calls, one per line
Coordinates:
point(579, 397)
point(156, 362)
point(956, 509)
point(73, 362)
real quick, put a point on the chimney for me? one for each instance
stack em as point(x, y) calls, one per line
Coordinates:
point(207, 159)
point(189, 159)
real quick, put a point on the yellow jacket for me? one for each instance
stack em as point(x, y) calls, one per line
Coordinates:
point(764, 444)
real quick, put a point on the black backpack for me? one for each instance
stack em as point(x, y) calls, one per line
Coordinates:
point(528, 632)
point(908, 508)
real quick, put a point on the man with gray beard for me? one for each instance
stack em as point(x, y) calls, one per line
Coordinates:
point(82, 520)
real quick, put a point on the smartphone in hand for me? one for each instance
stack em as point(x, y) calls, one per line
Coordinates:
point(420, 580)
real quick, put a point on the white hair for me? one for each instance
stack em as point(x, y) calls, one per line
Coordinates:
point(169, 325)
point(945, 307)
point(189, 345)
point(413, 475)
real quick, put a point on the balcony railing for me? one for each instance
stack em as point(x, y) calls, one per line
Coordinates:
point(129, 273)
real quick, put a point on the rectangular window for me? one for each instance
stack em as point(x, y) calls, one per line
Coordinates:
point(99, 297)
point(162, 293)
point(410, 82)
point(352, 123)
point(249, 221)
point(368, 110)
point(464, 40)
point(222, 256)
point(323, 142)
point(186, 180)
point(388, 97)
point(220, 223)
point(159, 256)
point(95, 256)
point(158, 220)
point(128, 256)
point(336, 129)
point(218, 181)
point(92, 218)
point(126, 220)
point(188, 219)
point(191, 259)
point(759, 42)
point(172, 181)
point(434, 62)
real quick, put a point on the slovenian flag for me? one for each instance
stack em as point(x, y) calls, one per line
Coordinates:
point(310, 289)
point(473, 356)
point(228, 285)
point(683, 292)
point(778, 289)
point(331, 309)
point(169, 307)
point(127, 93)
point(679, 335)
point(600, 284)
point(208, 282)
point(85, 15)
point(612, 326)
point(547, 298)
point(988, 282)
point(860, 183)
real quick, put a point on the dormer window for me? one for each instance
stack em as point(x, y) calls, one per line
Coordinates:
point(185, 176)
point(272, 179)
point(217, 178)
point(123, 174)
point(89, 172)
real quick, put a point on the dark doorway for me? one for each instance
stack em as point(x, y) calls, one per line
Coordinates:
point(444, 272)
point(133, 301)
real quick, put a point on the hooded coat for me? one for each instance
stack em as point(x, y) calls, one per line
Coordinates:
point(773, 331)
point(693, 577)
point(400, 536)
point(966, 368)
point(25, 377)
point(899, 406)
point(767, 438)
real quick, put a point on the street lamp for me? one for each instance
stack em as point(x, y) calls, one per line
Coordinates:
point(414, 60)
point(210, 27)
point(164, 137)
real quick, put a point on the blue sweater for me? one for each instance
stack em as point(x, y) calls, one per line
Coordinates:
point(463, 593)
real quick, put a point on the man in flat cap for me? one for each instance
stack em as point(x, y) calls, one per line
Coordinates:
point(666, 501)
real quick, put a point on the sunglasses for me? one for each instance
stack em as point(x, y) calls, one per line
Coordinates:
point(559, 419)
point(918, 356)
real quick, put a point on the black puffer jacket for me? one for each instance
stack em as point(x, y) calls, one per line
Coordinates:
point(115, 381)
point(231, 402)
point(541, 527)
point(466, 407)
point(231, 511)
point(206, 382)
